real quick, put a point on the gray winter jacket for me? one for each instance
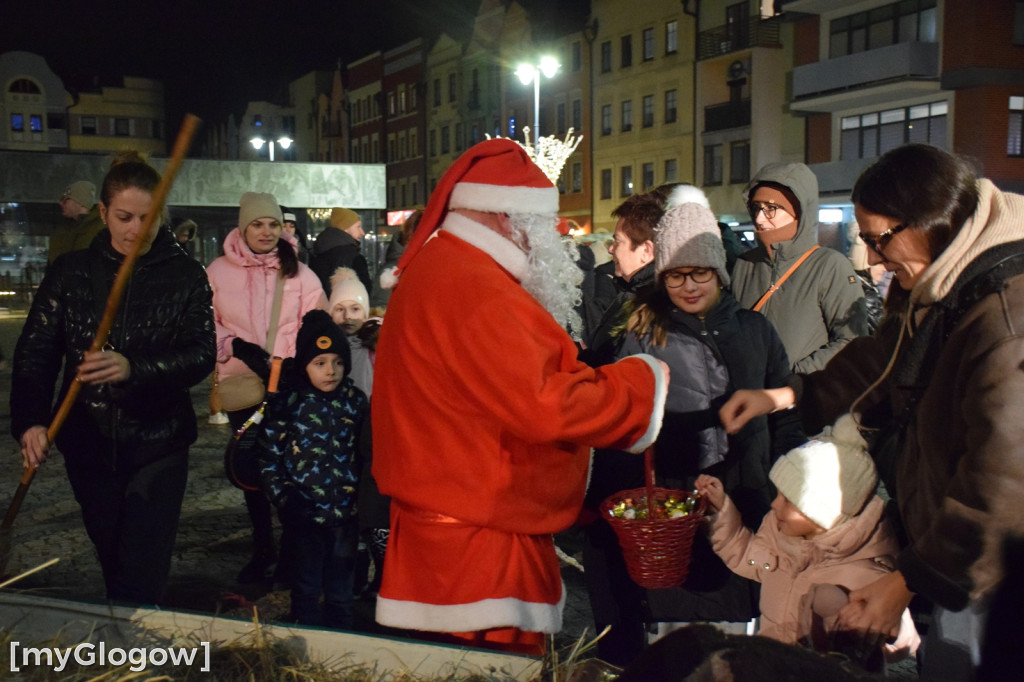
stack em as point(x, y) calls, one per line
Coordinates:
point(821, 307)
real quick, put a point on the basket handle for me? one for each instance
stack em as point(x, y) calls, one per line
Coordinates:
point(649, 480)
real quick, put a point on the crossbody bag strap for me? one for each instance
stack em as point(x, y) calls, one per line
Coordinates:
point(773, 288)
point(275, 314)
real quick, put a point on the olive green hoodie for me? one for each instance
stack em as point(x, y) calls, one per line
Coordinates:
point(821, 307)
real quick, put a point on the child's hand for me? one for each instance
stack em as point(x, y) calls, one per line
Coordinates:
point(711, 489)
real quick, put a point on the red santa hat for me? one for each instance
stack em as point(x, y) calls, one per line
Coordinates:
point(495, 176)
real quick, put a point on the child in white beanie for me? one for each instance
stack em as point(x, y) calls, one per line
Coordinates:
point(824, 536)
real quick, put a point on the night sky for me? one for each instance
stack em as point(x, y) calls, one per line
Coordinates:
point(213, 56)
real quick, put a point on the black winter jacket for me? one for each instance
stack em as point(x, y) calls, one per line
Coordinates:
point(335, 249)
point(164, 327)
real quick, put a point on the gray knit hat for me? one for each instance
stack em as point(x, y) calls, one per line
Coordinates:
point(830, 477)
point(687, 236)
point(256, 205)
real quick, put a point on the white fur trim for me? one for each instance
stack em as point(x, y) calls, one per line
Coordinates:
point(504, 198)
point(481, 615)
point(503, 251)
point(388, 278)
point(687, 194)
point(660, 394)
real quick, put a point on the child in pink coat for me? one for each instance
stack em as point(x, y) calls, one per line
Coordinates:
point(824, 536)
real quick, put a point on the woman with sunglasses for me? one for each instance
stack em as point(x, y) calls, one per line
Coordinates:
point(712, 347)
point(820, 305)
point(939, 388)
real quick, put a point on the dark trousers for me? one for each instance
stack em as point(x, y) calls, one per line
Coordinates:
point(132, 519)
point(323, 563)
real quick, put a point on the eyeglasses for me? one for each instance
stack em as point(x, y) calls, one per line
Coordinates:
point(881, 241)
point(675, 279)
point(756, 207)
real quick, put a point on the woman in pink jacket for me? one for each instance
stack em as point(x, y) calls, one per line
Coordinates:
point(244, 281)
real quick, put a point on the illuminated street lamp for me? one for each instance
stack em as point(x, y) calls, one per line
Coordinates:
point(258, 141)
point(528, 73)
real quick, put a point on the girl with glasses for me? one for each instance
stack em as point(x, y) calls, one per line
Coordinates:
point(712, 347)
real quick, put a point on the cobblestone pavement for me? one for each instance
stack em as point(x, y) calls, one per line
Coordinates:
point(213, 535)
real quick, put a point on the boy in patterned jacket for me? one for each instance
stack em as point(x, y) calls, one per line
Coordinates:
point(308, 469)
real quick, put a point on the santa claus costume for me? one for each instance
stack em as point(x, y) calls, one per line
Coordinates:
point(483, 417)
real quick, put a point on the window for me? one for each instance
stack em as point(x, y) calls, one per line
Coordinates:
point(627, 115)
point(900, 22)
point(404, 145)
point(560, 118)
point(606, 56)
point(391, 148)
point(433, 143)
point(606, 183)
point(158, 130)
point(89, 125)
point(739, 161)
point(24, 86)
point(35, 123)
point(627, 51)
point(606, 119)
point(577, 177)
point(647, 174)
point(648, 37)
point(736, 32)
point(414, 149)
point(626, 187)
point(713, 164)
point(391, 104)
point(1018, 23)
point(577, 115)
point(57, 122)
point(412, 102)
point(458, 137)
point(648, 111)
point(867, 136)
point(415, 191)
point(122, 127)
point(451, 87)
point(445, 140)
point(18, 123)
point(474, 133)
point(670, 171)
point(670, 106)
point(437, 92)
point(671, 37)
point(1015, 135)
point(577, 56)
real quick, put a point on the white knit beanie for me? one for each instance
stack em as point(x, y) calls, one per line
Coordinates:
point(687, 236)
point(829, 478)
point(345, 286)
point(256, 205)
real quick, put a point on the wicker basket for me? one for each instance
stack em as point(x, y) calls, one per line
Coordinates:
point(657, 551)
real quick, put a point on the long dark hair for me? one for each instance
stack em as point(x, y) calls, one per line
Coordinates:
point(128, 170)
point(922, 186)
point(288, 258)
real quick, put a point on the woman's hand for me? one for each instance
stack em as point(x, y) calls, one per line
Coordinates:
point(34, 447)
point(745, 404)
point(104, 367)
point(877, 607)
point(712, 490)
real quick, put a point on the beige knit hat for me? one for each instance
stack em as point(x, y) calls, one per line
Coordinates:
point(687, 236)
point(829, 478)
point(256, 205)
point(82, 192)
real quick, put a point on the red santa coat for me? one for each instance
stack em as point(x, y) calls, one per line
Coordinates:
point(483, 418)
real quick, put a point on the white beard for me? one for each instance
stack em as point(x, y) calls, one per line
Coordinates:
point(553, 278)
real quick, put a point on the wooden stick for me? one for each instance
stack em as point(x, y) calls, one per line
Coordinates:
point(29, 572)
point(124, 272)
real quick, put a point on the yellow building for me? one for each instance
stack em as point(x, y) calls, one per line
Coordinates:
point(642, 62)
point(114, 119)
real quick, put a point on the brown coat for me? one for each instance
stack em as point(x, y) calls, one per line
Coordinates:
point(851, 555)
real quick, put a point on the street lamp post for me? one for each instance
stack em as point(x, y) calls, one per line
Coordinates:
point(258, 141)
point(529, 73)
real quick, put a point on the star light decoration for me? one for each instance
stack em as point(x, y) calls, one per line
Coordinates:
point(549, 153)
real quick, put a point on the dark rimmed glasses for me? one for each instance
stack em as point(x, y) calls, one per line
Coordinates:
point(675, 279)
point(879, 242)
point(769, 210)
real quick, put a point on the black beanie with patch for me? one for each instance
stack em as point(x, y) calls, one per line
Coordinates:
point(318, 334)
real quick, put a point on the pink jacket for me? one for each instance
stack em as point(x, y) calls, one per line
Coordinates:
point(851, 555)
point(243, 285)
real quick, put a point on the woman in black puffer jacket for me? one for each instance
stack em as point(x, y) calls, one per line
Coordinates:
point(125, 442)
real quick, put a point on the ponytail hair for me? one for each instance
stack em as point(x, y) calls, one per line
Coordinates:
point(128, 170)
point(287, 257)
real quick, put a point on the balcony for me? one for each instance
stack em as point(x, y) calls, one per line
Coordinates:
point(903, 61)
point(725, 39)
point(726, 116)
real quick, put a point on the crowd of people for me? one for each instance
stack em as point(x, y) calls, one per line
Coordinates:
point(514, 382)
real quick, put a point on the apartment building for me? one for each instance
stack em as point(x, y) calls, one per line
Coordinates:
point(405, 119)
